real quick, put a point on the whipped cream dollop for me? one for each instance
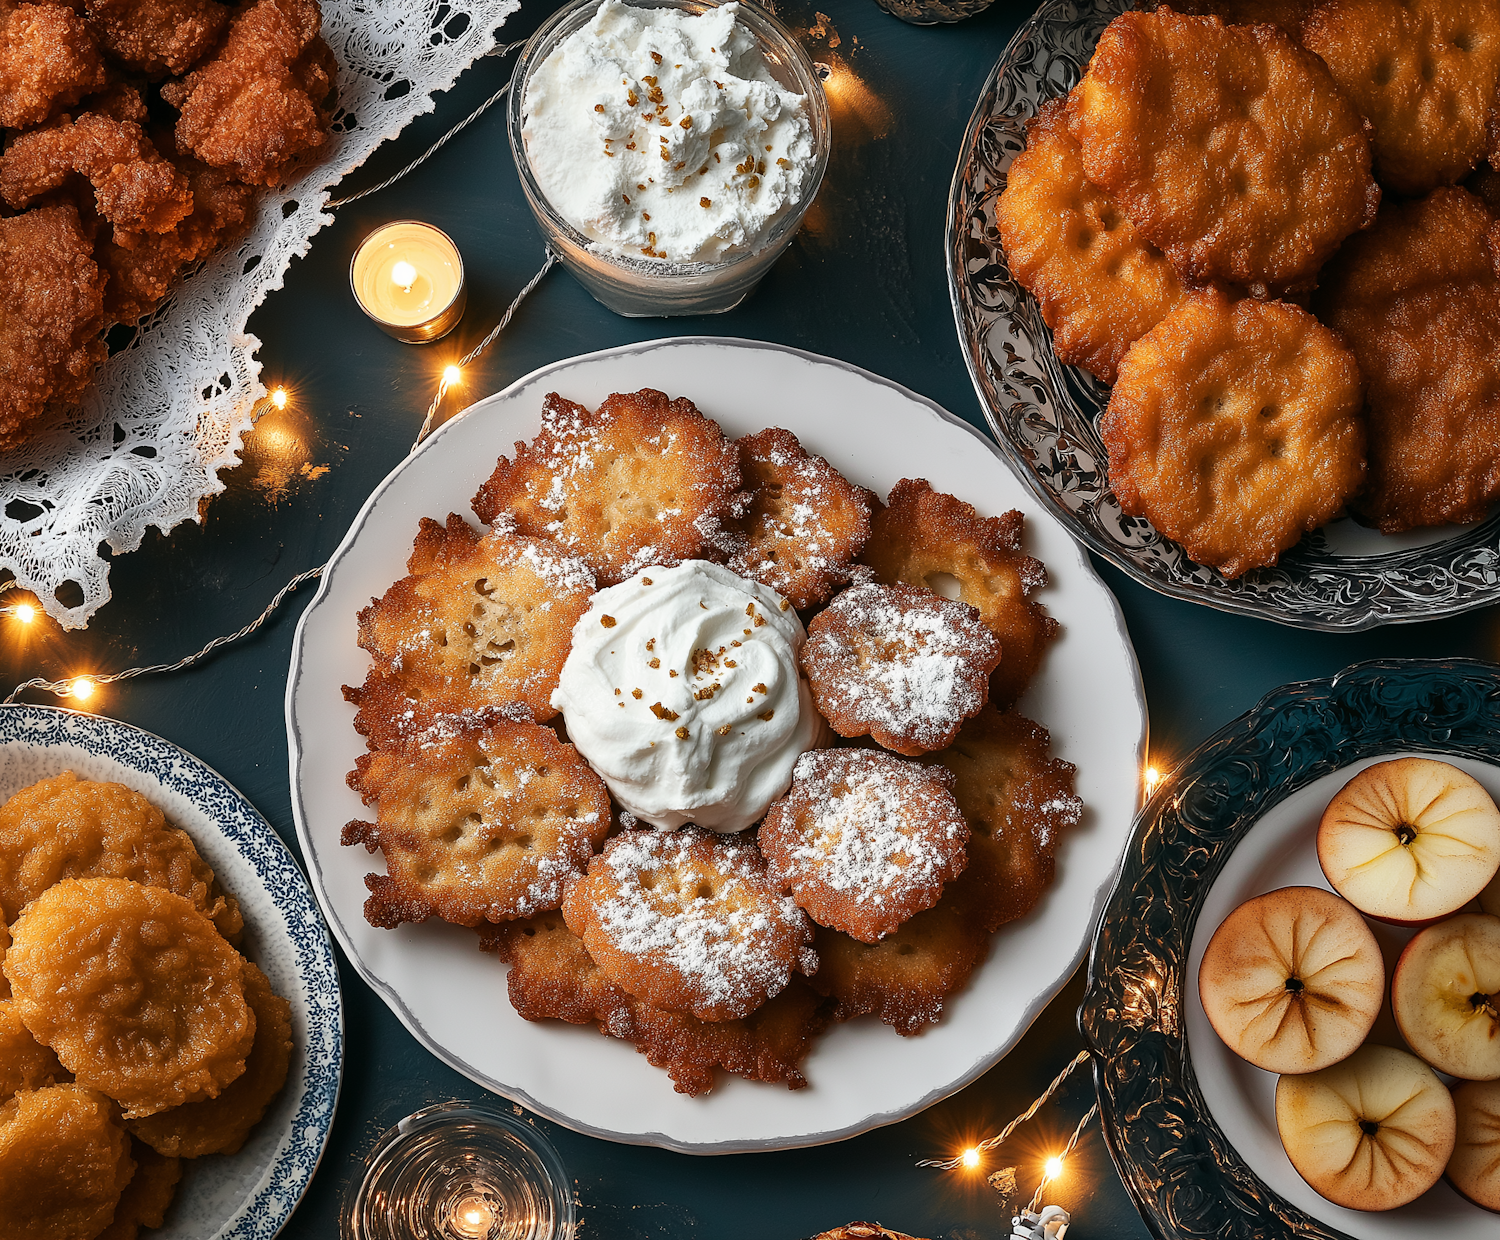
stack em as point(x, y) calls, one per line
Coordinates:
point(661, 134)
point(682, 691)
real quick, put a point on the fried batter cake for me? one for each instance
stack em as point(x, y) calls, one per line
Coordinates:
point(687, 921)
point(480, 620)
point(923, 536)
point(134, 989)
point(146, 1198)
point(899, 664)
point(1425, 73)
point(220, 1125)
point(158, 37)
point(905, 978)
point(48, 58)
point(863, 839)
point(1418, 300)
point(66, 827)
point(1235, 427)
point(24, 1062)
point(63, 1164)
point(480, 819)
point(1018, 800)
point(1229, 147)
point(51, 316)
point(552, 976)
point(806, 522)
point(1288, 14)
point(1099, 284)
point(4, 946)
point(643, 480)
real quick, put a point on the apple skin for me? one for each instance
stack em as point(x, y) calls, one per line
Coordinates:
point(1489, 898)
point(1474, 1168)
point(1293, 980)
point(1410, 841)
point(1371, 1133)
point(1437, 978)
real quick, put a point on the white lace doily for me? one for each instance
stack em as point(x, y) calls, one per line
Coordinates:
point(168, 413)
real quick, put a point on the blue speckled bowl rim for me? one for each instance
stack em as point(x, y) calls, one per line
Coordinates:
point(269, 1208)
point(1185, 1178)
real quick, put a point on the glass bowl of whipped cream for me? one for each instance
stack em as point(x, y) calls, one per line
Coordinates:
point(668, 148)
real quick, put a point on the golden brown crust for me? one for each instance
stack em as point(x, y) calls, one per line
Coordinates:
point(1235, 427)
point(643, 480)
point(806, 523)
point(1099, 284)
point(1424, 72)
point(158, 37)
point(1229, 147)
point(479, 819)
point(146, 1198)
point(1018, 800)
point(863, 839)
point(24, 1062)
point(1288, 14)
point(48, 58)
point(863, 1231)
point(923, 534)
point(479, 620)
point(1418, 300)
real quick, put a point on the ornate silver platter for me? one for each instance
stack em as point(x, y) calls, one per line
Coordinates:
point(1046, 415)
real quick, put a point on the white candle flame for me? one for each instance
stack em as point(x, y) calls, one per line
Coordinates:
point(404, 274)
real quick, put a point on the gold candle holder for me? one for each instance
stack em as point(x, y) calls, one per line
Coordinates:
point(409, 278)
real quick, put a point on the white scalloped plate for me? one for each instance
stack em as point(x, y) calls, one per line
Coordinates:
point(861, 1074)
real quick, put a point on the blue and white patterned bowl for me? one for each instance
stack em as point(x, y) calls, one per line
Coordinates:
point(249, 1195)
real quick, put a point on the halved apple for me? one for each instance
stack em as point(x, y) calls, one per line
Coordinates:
point(1474, 1169)
point(1292, 980)
point(1446, 996)
point(1489, 898)
point(1370, 1133)
point(1410, 841)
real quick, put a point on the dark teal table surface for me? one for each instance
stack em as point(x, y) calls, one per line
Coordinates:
point(864, 282)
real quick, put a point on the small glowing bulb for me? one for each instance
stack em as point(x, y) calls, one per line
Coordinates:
point(82, 689)
point(25, 613)
point(971, 1157)
point(278, 398)
point(1152, 778)
point(404, 274)
point(1052, 1168)
point(452, 375)
point(473, 1218)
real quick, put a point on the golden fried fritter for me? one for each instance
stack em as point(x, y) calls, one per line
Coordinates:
point(1418, 300)
point(134, 989)
point(923, 536)
point(1099, 284)
point(48, 58)
point(66, 827)
point(4, 946)
point(263, 100)
point(1235, 427)
point(644, 480)
point(158, 37)
point(1229, 147)
point(1425, 73)
point(220, 1125)
point(1485, 184)
point(905, 978)
point(552, 976)
point(24, 1062)
point(1018, 800)
point(1288, 14)
point(480, 620)
point(51, 316)
point(146, 1198)
point(480, 819)
point(899, 664)
point(63, 1164)
point(687, 921)
point(806, 523)
point(863, 839)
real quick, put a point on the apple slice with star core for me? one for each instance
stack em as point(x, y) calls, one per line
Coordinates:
point(1446, 996)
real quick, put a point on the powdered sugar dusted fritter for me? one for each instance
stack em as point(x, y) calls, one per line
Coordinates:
point(923, 535)
point(479, 621)
point(1018, 800)
point(900, 664)
point(806, 523)
point(552, 976)
point(643, 480)
point(687, 921)
point(863, 839)
point(480, 819)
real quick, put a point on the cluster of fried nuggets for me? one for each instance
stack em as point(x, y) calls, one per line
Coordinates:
point(872, 886)
point(133, 1034)
point(1271, 229)
point(135, 133)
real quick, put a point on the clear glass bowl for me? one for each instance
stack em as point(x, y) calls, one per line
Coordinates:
point(639, 288)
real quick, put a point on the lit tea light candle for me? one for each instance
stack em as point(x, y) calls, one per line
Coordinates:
point(473, 1218)
point(409, 278)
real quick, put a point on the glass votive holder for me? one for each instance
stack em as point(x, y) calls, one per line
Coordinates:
point(460, 1171)
point(408, 277)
